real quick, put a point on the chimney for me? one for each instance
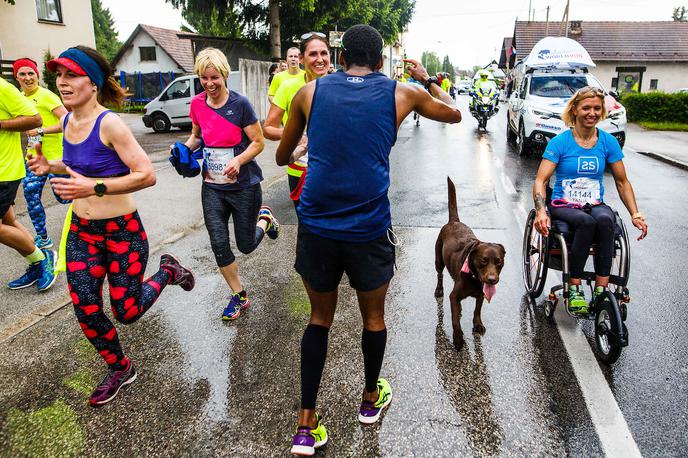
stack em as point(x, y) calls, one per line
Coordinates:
point(575, 28)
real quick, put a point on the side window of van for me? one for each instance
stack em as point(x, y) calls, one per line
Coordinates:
point(179, 90)
point(197, 86)
point(524, 86)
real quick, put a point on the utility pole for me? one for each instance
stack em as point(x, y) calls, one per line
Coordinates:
point(547, 22)
point(530, 9)
point(565, 21)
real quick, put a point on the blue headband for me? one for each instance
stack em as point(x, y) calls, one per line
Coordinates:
point(87, 63)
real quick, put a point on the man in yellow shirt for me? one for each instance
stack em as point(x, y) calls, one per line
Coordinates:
point(49, 135)
point(293, 71)
point(18, 115)
point(315, 58)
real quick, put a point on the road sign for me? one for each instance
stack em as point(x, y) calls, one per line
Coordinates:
point(336, 38)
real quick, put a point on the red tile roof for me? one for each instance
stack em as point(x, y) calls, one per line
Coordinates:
point(657, 41)
point(179, 50)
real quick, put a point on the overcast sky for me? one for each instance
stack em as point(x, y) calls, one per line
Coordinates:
point(471, 33)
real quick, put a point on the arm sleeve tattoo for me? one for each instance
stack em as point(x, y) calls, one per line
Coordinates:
point(539, 202)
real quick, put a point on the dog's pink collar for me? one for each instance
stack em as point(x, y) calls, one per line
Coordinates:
point(488, 290)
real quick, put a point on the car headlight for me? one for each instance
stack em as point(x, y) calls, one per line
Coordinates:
point(544, 114)
point(617, 114)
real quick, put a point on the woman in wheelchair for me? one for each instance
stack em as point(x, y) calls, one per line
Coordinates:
point(578, 157)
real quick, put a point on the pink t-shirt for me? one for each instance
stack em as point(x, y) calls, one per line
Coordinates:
point(224, 128)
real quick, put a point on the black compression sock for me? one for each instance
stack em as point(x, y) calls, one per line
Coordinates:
point(313, 354)
point(373, 344)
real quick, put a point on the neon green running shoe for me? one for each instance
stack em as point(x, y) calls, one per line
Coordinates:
point(306, 439)
point(598, 290)
point(577, 303)
point(370, 412)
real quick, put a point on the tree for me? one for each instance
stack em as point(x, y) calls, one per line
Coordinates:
point(680, 14)
point(431, 62)
point(448, 67)
point(104, 27)
point(275, 25)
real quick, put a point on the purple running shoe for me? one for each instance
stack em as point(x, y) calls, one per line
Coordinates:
point(306, 439)
point(111, 384)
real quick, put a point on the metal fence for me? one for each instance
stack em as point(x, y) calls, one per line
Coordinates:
point(144, 87)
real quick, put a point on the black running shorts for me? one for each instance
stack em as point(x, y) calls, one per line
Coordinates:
point(8, 192)
point(321, 262)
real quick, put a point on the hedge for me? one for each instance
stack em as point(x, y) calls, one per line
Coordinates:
point(656, 106)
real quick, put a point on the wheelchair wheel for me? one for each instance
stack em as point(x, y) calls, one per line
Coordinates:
point(535, 258)
point(606, 317)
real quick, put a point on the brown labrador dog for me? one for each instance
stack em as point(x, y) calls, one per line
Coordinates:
point(473, 265)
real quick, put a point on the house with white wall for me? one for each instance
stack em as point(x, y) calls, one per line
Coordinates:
point(642, 56)
point(30, 27)
point(154, 49)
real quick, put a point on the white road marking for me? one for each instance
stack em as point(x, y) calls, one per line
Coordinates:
point(615, 437)
point(508, 186)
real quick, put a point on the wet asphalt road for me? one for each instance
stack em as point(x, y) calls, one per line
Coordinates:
point(208, 388)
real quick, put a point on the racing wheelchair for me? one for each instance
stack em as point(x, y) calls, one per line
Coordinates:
point(552, 252)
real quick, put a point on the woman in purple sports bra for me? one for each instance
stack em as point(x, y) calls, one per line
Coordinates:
point(106, 237)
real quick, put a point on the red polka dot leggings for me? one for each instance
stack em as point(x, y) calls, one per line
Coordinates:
point(116, 247)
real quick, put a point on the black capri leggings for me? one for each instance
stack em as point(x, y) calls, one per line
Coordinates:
point(243, 206)
point(596, 226)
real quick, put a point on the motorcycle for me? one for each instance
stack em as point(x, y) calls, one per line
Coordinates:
point(485, 105)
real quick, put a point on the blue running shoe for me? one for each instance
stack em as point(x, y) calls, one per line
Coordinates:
point(43, 243)
point(29, 278)
point(48, 276)
point(238, 302)
point(273, 225)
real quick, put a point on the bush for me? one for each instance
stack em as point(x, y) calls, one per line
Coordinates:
point(48, 76)
point(656, 106)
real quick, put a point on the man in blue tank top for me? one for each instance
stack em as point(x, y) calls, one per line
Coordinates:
point(344, 212)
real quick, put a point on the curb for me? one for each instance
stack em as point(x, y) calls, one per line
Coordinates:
point(665, 159)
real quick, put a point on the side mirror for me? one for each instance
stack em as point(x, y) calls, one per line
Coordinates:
point(614, 94)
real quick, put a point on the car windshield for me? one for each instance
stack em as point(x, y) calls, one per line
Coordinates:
point(559, 86)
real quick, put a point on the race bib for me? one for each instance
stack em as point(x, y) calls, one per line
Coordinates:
point(216, 160)
point(581, 191)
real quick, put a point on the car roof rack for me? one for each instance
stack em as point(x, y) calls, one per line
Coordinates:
point(557, 69)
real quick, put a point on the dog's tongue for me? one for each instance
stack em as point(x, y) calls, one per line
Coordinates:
point(489, 291)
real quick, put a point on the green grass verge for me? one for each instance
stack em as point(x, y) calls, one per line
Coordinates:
point(82, 381)
point(677, 126)
point(51, 431)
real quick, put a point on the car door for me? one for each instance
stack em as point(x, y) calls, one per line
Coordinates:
point(177, 98)
point(519, 101)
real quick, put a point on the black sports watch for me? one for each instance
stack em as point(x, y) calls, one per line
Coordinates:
point(100, 188)
point(431, 80)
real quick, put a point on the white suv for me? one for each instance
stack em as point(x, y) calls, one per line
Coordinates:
point(536, 105)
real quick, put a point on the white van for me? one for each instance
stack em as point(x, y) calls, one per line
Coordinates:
point(171, 107)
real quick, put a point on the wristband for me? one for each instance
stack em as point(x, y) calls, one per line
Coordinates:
point(638, 215)
point(40, 131)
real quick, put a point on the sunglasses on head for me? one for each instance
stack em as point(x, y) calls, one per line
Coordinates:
point(308, 35)
point(594, 90)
